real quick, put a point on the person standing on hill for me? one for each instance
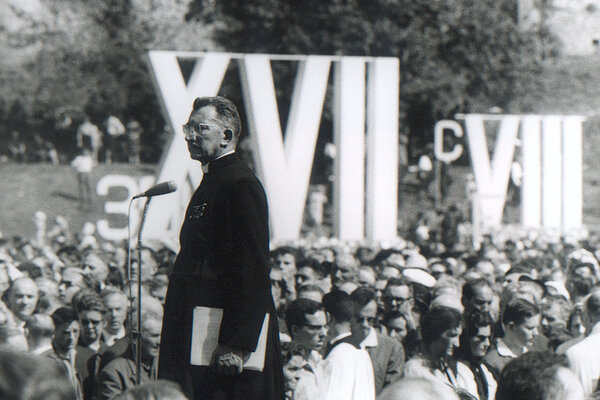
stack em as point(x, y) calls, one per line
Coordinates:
point(84, 164)
point(89, 136)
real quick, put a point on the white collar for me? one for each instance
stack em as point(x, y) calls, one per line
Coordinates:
point(503, 349)
point(370, 340)
point(205, 166)
point(42, 349)
point(314, 355)
point(340, 337)
point(595, 329)
point(107, 336)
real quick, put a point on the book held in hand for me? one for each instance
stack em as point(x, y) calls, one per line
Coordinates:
point(205, 335)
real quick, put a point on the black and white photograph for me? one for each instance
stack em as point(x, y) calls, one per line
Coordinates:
point(300, 200)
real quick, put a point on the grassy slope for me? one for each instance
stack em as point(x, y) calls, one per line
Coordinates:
point(53, 190)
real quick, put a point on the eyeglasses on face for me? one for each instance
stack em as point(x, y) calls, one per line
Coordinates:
point(393, 299)
point(191, 128)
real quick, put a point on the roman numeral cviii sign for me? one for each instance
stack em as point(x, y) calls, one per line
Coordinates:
point(550, 153)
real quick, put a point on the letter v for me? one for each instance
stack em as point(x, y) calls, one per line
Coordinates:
point(177, 99)
point(285, 167)
point(492, 180)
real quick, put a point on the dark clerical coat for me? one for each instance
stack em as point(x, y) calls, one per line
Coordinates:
point(223, 262)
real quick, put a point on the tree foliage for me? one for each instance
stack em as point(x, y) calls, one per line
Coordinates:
point(81, 56)
point(455, 55)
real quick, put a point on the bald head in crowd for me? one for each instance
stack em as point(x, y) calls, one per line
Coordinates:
point(417, 388)
point(22, 299)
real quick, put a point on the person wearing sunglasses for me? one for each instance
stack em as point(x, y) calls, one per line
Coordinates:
point(387, 354)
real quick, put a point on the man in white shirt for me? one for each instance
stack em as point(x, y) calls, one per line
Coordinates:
point(84, 164)
point(307, 325)
point(115, 131)
point(583, 356)
point(348, 369)
point(387, 354)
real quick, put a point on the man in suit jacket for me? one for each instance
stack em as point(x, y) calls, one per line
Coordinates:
point(223, 263)
point(387, 354)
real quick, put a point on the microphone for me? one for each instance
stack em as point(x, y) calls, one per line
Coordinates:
point(158, 190)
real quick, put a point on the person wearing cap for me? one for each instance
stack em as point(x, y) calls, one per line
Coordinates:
point(387, 354)
point(416, 260)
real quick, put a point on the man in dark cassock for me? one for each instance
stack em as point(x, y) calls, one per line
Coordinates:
point(223, 263)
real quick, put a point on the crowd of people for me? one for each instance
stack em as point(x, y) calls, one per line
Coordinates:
point(110, 140)
point(514, 317)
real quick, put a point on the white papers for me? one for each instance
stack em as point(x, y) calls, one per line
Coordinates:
point(205, 336)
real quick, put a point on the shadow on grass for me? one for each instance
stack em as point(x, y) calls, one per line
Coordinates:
point(66, 196)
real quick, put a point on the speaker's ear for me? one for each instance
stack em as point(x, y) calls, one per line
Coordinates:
point(196, 104)
point(228, 134)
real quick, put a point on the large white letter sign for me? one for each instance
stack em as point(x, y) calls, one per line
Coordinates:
point(491, 177)
point(120, 207)
point(349, 134)
point(285, 165)
point(572, 172)
point(551, 156)
point(438, 140)
point(165, 213)
point(383, 98)
point(285, 169)
point(531, 189)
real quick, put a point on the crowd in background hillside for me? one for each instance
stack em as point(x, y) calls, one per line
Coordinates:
point(427, 309)
point(109, 140)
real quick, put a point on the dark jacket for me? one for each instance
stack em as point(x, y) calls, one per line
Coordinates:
point(387, 358)
point(120, 375)
point(223, 262)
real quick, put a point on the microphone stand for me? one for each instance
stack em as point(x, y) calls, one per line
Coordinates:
point(138, 332)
